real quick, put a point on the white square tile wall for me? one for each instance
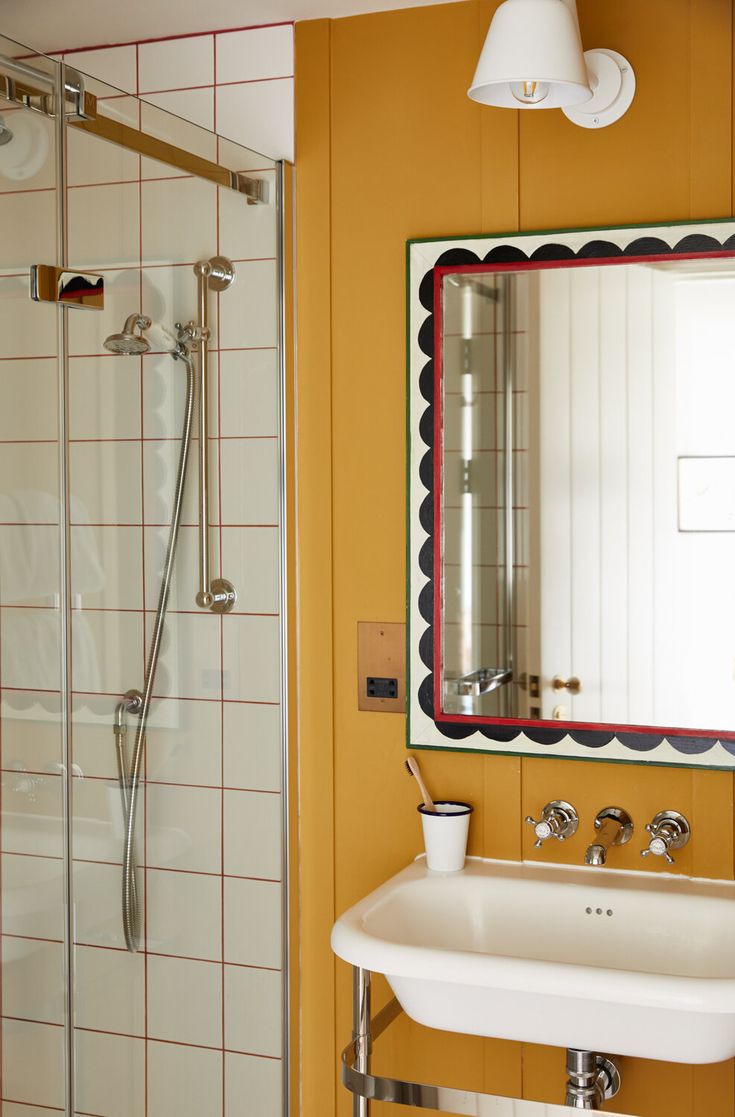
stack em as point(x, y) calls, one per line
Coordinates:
point(192, 1023)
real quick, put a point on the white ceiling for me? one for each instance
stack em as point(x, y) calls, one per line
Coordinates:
point(51, 25)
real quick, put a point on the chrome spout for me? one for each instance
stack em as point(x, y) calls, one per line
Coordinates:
point(595, 854)
point(614, 827)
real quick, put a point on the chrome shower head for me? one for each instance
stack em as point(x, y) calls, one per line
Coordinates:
point(128, 343)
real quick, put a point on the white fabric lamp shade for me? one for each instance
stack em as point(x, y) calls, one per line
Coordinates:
point(532, 57)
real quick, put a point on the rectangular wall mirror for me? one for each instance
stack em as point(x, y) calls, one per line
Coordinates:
point(572, 494)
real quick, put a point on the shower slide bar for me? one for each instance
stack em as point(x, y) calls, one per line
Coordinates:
point(34, 89)
point(217, 274)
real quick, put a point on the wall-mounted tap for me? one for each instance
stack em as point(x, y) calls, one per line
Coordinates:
point(614, 828)
point(669, 830)
point(558, 820)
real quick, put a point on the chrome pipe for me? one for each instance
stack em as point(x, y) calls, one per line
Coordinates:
point(593, 1079)
point(21, 71)
point(361, 1036)
point(217, 274)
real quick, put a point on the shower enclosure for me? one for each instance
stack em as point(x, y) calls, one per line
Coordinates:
point(184, 1009)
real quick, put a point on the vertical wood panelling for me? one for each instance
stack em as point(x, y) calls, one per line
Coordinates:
point(499, 151)
point(711, 46)
point(405, 154)
point(313, 571)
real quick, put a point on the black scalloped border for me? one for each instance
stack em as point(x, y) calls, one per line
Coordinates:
point(694, 244)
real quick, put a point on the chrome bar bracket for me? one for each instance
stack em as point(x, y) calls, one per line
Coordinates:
point(34, 89)
point(358, 1078)
point(216, 274)
point(254, 189)
point(80, 104)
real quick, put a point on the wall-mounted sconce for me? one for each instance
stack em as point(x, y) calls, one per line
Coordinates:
point(533, 59)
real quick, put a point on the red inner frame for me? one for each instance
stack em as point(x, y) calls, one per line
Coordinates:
point(474, 719)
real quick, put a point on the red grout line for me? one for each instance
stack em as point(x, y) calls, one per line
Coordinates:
point(189, 524)
point(219, 85)
point(141, 1039)
point(112, 777)
point(30, 190)
point(146, 612)
point(30, 1020)
point(37, 856)
point(160, 352)
point(43, 523)
point(113, 269)
point(149, 868)
point(149, 438)
point(32, 938)
point(156, 954)
point(22, 357)
point(158, 697)
point(171, 38)
point(163, 783)
point(35, 1105)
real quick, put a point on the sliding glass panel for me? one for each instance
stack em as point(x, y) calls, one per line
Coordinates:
point(191, 1022)
point(32, 740)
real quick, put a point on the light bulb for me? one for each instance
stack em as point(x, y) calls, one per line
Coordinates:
point(530, 92)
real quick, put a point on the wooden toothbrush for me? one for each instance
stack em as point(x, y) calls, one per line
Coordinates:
point(412, 767)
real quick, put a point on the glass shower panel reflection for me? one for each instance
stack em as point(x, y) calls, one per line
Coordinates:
point(484, 491)
point(32, 701)
point(476, 496)
point(192, 1022)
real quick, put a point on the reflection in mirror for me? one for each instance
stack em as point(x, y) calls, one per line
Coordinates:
point(588, 493)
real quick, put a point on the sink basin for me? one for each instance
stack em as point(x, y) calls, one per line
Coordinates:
point(600, 959)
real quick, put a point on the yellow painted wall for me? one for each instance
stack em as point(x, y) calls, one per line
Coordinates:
point(388, 148)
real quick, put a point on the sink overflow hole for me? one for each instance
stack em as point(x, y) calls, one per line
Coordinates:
point(598, 911)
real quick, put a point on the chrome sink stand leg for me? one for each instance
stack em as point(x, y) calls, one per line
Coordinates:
point(592, 1079)
point(361, 1035)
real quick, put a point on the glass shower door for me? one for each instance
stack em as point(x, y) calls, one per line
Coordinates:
point(189, 1013)
point(33, 892)
point(191, 1022)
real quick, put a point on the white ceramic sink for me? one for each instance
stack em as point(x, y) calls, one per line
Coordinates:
point(519, 951)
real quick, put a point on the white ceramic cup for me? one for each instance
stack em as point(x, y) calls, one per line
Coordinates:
point(445, 835)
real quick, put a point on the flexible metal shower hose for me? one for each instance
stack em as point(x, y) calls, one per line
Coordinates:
point(130, 780)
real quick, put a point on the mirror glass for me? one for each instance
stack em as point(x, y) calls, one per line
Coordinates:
point(586, 480)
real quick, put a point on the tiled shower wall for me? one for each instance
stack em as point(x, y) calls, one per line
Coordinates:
point(236, 83)
point(191, 1024)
